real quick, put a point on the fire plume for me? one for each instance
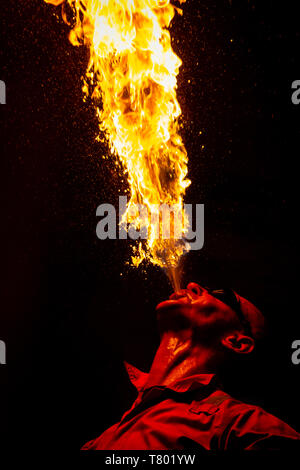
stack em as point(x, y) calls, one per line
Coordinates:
point(132, 72)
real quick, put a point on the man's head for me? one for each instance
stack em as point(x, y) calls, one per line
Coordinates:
point(214, 318)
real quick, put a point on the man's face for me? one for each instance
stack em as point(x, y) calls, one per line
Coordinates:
point(195, 309)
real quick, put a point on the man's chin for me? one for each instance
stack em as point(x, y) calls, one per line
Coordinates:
point(172, 316)
point(168, 304)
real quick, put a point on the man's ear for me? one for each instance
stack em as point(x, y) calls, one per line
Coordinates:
point(238, 343)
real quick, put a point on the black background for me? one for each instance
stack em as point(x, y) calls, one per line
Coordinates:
point(68, 316)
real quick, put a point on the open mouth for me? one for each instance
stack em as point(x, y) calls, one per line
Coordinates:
point(178, 295)
point(184, 293)
point(177, 298)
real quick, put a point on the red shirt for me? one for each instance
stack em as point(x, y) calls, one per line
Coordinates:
point(193, 413)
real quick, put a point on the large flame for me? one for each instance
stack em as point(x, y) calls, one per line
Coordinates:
point(133, 72)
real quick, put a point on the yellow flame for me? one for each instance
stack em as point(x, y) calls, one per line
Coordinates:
point(133, 71)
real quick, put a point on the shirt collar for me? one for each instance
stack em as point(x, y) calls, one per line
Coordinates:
point(139, 379)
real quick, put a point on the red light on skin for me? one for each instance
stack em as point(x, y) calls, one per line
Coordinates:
point(178, 298)
point(183, 296)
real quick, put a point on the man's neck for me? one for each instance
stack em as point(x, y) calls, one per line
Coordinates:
point(176, 358)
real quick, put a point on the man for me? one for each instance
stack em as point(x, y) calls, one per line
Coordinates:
point(180, 404)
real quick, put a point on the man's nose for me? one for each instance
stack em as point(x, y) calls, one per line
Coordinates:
point(194, 288)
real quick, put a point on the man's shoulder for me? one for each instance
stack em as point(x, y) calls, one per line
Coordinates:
point(221, 400)
point(246, 421)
